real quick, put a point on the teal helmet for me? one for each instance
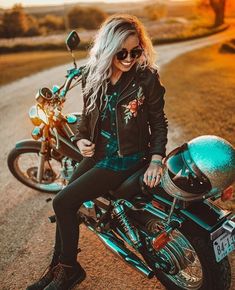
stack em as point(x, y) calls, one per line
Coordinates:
point(203, 167)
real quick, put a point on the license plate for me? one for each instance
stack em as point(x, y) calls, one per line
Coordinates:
point(223, 245)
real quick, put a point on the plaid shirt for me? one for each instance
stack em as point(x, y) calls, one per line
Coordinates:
point(107, 145)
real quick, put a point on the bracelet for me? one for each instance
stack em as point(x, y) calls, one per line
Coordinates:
point(158, 162)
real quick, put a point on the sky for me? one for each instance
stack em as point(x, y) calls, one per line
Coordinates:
point(10, 3)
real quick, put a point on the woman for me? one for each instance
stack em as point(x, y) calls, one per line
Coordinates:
point(123, 98)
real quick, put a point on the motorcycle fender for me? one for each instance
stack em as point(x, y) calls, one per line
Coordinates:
point(64, 149)
point(205, 214)
point(28, 144)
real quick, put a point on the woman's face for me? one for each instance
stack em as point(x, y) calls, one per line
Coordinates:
point(125, 65)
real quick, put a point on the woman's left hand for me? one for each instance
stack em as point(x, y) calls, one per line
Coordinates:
point(152, 175)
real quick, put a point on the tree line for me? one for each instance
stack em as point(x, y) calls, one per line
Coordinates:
point(17, 23)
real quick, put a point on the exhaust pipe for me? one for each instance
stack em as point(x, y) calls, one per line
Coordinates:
point(121, 251)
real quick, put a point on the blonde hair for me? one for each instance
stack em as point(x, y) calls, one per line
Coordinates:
point(108, 41)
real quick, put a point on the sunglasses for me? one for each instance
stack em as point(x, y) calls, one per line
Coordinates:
point(134, 53)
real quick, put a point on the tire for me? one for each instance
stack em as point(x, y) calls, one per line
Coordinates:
point(215, 276)
point(28, 178)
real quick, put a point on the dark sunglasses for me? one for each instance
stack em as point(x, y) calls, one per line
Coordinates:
point(134, 53)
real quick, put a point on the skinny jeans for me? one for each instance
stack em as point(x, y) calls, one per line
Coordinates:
point(87, 183)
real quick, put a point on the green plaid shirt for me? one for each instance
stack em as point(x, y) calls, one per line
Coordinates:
point(107, 145)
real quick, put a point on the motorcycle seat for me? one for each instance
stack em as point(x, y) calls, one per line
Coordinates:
point(131, 186)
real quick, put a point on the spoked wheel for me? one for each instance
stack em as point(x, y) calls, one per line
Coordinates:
point(186, 269)
point(193, 264)
point(23, 164)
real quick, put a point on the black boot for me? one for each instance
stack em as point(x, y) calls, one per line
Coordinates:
point(47, 276)
point(66, 277)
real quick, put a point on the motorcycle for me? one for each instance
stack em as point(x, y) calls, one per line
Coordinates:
point(179, 236)
point(47, 162)
point(182, 240)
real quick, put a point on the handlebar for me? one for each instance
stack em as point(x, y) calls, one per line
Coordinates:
point(71, 74)
point(56, 137)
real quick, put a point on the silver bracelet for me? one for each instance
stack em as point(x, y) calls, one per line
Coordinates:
point(158, 162)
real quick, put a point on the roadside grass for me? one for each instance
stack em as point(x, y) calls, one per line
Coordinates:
point(200, 95)
point(181, 32)
point(18, 65)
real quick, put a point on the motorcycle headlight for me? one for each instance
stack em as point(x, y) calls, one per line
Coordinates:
point(38, 116)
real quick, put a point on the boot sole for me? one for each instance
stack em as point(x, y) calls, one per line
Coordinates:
point(77, 281)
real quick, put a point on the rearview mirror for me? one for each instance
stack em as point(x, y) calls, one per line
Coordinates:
point(72, 40)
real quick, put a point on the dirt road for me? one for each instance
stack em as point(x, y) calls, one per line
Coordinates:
point(26, 237)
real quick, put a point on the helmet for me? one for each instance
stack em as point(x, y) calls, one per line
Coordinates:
point(200, 168)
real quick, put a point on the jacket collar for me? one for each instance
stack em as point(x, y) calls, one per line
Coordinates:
point(129, 84)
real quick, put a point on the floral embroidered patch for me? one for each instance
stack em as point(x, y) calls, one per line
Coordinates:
point(132, 108)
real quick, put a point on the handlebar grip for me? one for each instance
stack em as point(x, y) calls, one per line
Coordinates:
point(67, 130)
point(72, 73)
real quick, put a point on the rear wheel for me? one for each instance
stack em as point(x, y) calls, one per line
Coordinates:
point(193, 264)
point(23, 164)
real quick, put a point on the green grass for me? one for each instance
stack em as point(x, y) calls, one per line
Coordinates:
point(17, 65)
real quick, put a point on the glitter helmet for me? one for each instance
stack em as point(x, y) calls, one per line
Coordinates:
point(203, 167)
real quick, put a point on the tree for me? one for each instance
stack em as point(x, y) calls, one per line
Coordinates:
point(52, 22)
point(88, 18)
point(15, 22)
point(155, 11)
point(218, 7)
point(33, 26)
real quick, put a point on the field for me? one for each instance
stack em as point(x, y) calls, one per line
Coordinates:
point(200, 95)
point(19, 65)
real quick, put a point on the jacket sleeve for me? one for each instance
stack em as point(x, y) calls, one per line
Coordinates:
point(156, 117)
point(83, 125)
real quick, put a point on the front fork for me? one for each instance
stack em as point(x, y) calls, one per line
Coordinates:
point(42, 154)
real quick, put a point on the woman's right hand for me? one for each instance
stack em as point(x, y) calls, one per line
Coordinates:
point(86, 147)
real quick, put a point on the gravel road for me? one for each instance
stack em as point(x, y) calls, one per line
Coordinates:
point(26, 237)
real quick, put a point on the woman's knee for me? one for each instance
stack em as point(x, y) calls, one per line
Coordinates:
point(59, 202)
point(64, 201)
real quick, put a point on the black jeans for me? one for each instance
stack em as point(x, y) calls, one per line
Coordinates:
point(87, 183)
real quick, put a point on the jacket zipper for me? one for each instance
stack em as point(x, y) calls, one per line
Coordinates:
point(93, 132)
point(118, 141)
point(121, 99)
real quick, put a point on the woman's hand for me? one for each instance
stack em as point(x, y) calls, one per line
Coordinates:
point(86, 147)
point(152, 175)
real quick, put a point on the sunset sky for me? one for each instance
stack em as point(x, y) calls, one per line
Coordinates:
point(10, 3)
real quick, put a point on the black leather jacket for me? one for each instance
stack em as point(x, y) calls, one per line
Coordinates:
point(141, 122)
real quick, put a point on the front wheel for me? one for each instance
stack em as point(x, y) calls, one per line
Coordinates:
point(23, 164)
point(192, 252)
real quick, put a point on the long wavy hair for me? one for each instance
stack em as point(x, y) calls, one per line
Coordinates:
point(108, 41)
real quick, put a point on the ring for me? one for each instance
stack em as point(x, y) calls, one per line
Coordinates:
point(150, 177)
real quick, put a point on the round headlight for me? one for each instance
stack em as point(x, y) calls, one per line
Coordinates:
point(38, 116)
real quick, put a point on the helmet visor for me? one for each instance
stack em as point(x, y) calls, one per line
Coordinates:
point(184, 173)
